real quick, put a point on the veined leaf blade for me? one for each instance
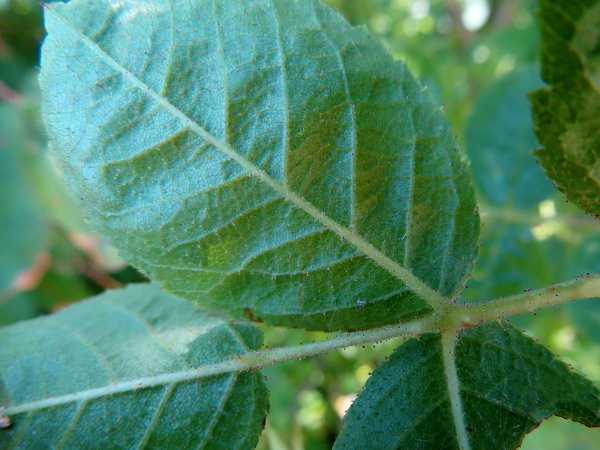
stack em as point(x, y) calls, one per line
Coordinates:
point(259, 157)
point(121, 369)
point(508, 384)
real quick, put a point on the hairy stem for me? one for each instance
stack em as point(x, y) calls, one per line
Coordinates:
point(462, 315)
point(458, 415)
point(238, 363)
point(467, 314)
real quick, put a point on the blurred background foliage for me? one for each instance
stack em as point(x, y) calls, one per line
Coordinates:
point(479, 58)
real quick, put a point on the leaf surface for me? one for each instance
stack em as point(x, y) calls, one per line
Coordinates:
point(508, 384)
point(119, 369)
point(567, 113)
point(261, 157)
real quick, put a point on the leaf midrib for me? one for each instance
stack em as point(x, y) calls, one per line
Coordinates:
point(448, 342)
point(429, 295)
point(238, 363)
point(203, 371)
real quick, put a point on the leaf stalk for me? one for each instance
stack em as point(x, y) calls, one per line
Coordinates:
point(447, 322)
point(471, 314)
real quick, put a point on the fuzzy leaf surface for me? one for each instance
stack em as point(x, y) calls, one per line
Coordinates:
point(112, 370)
point(508, 385)
point(263, 158)
point(567, 112)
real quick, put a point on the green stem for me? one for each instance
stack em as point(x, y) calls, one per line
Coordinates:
point(238, 363)
point(515, 216)
point(469, 314)
point(462, 315)
point(448, 346)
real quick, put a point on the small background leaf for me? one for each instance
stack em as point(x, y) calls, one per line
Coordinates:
point(124, 336)
point(508, 384)
point(499, 141)
point(530, 237)
point(567, 113)
point(23, 232)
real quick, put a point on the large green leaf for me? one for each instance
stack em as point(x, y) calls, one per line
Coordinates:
point(498, 386)
point(23, 232)
point(260, 157)
point(124, 370)
point(567, 113)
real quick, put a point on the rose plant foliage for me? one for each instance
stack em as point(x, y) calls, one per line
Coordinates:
point(264, 161)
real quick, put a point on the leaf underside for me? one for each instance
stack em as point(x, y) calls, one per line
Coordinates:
point(84, 376)
point(508, 385)
point(260, 157)
point(567, 113)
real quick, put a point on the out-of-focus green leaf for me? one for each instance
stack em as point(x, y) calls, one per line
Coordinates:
point(21, 31)
point(55, 290)
point(499, 141)
point(512, 260)
point(586, 313)
point(112, 370)
point(22, 229)
point(264, 158)
point(586, 317)
point(560, 434)
point(529, 239)
point(508, 385)
point(17, 307)
point(43, 176)
point(54, 199)
point(567, 112)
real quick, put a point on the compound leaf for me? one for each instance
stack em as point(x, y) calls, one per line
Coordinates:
point(116, 370)
point(567, 112)
point(508, 384)
point(260, 157)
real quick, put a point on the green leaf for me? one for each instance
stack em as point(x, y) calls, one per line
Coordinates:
point(530, 237)
point(125, 369)
point(567, 113)
point(16, 307)
point(508, 384)
point(585, 313)
point(512, 260)
point(264, 158)
point(23, 232)
point(499, 140)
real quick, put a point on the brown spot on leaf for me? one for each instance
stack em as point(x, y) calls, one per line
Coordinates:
point(250, 315)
